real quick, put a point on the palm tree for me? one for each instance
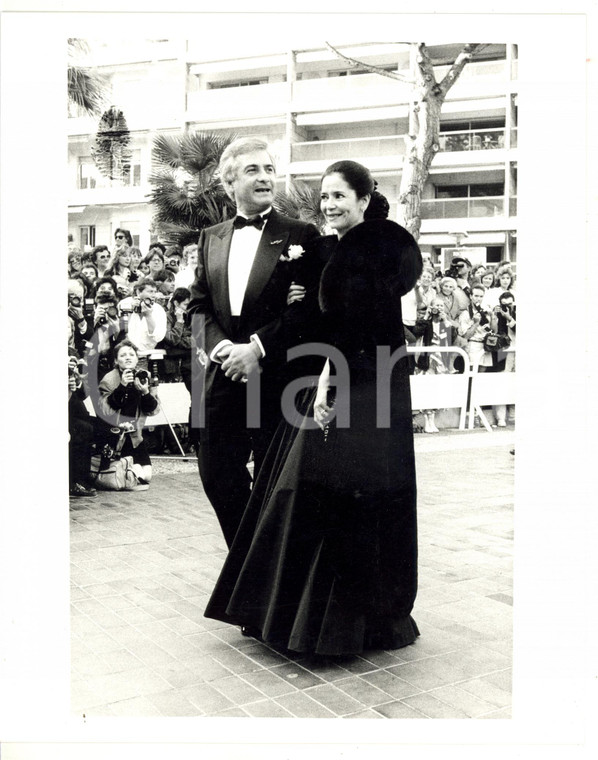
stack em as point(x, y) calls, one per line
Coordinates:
point(187, 194)
point(87, 90)
point(301, 202)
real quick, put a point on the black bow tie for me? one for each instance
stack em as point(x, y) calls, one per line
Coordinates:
point(255, 221)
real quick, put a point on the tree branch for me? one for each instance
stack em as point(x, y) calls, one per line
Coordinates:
point(455, 70)
point(368, 67)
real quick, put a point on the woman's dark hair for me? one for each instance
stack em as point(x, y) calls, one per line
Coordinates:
point(355, 175)
point(179, 295)
point(155, 245)
point(99, 282)
point(126, 233)
point(378, 207)
point(153, 252)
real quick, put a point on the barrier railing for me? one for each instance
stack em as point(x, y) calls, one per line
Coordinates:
point(447, 391)
point(467, 391)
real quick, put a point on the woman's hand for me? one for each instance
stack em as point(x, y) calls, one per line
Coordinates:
point(296, 293)
point(142, 387)
point(127, 377)
point(323, 411)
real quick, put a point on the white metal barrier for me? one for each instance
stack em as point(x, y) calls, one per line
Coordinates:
point(449, 391)
point(490, 389)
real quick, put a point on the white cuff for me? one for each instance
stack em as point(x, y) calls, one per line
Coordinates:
point(256, 339)
point(217, 348)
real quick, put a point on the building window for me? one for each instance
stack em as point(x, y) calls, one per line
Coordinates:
point(236, 83)
point(87, 236)
point(470, 191)
point(88, 176)
point(132, 172)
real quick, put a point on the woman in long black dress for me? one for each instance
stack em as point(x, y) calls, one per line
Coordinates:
point(325, 559)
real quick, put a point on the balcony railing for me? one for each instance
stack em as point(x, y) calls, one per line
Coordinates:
point(331, 150)
point(477, 70)
point(479, 139)
point(463, 208)
point(237, 102)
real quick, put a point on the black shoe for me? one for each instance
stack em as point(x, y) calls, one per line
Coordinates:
point(79, 490)
point(249, 630)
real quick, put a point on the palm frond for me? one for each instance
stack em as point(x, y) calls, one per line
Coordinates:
point(86, 89)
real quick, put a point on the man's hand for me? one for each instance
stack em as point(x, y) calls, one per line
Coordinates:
point(242, 359)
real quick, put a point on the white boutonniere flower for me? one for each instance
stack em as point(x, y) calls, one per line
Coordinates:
point(293, 252)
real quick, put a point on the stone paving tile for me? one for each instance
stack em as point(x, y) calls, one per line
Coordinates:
point(141, 577)
point(268, 709)
point(398, 710)
point(434, 708)
point(301, 705)
point(334, 699)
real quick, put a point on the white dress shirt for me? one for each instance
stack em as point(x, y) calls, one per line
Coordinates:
point(243, 248)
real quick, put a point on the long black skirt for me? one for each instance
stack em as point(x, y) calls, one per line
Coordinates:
point(325, 558)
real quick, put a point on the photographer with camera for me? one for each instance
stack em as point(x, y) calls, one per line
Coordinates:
point(433, 329)
point(107, 327)
point(147, 319)
point(504, 323)
point(125, 401)
point(474, 325)
point(460, 271)
point(82, 326)
point(81, 429)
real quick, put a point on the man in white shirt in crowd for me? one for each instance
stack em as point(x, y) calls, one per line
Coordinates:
point(147, 319)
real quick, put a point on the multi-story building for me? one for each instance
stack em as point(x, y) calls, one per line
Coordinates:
point(314, 109)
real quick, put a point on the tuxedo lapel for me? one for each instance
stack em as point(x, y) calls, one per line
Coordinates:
point(219, 252)
point(272, 244)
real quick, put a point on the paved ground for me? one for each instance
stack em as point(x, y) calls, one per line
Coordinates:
point(143, 565)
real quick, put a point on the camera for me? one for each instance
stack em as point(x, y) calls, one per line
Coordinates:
point(111, 307)
point(148, 302)
point(142, 375)
point(453, 272)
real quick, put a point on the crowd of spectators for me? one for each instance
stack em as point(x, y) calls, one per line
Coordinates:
point(472, 308)
point(124, 305)
point(127, 331)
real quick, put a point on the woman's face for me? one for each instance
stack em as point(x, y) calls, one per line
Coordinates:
point(88, 272)
point(488, 280)
point(340, 205)
point(505, 280)
point(126, 358)
point(192, 259)
point(447, 288)
point(143, 268)
point(155, 264)
point(182, 304)
point(426, 278)
point(135, 259)
point(124, 258)
point(438, 307)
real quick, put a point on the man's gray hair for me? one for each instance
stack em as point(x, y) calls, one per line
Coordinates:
point(240, 147)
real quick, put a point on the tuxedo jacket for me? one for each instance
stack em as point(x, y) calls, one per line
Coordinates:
point(264, 311)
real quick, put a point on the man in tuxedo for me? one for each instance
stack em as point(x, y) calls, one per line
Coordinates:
point(243, 276)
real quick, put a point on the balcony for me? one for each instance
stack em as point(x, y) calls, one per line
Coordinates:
point(480, 139)
point(333, 150)
point(256, 101)
point(463, 208)
point(335, 93)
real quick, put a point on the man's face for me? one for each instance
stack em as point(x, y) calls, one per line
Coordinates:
point(506, 304)
point(105, 289)
point(103, 257)
point(476, 296)
point(75, 263)
point(148, 293)
point(253, 186)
